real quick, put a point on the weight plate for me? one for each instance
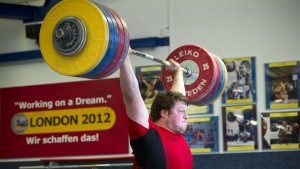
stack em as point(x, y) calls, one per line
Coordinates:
point(112, 45)
point(125, 47)
point(203, 65)
point(96, 42)
point(224, 84)
point(221, 83)
point(127, 40)
point(121, 42)
point(214, 84)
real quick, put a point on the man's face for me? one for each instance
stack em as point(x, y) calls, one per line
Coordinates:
point(243, 69)
point(177, 118)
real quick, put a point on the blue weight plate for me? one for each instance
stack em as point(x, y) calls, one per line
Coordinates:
point(115, 63)
point(125, 46)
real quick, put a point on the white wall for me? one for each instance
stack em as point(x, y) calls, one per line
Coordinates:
point(268, 30)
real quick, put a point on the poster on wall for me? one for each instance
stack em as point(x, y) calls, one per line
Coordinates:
point(202, 134)
point(280, 130)
point(150, 82)
point(239, 128)
point(63, 119)
point(282, 81)
point(241, 85)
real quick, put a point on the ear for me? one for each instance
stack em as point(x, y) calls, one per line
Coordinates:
point(164, 113)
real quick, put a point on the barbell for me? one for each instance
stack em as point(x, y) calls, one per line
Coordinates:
point(89, 40)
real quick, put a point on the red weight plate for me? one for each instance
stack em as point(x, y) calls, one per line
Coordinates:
point(127, 40)
point(205, 65)
point(121, 42)
point(225, 81)
point(221, 84)
point(211, 91)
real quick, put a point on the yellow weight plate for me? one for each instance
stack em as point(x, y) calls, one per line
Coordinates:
point(97, 37)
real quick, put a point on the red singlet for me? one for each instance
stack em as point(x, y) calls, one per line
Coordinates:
point(158, 148)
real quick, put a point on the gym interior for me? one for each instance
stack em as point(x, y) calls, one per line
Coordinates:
point(266, 33)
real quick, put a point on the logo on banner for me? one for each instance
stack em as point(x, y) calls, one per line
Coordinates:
point(19, 123)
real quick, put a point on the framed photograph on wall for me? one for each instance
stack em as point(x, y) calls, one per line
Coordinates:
point(280, 130)
point(241, 85)
point(239, 128)
point(202, 134)
point(150, 82)
point(282, 81)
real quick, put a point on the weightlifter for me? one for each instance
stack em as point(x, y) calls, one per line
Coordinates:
point(157, 139)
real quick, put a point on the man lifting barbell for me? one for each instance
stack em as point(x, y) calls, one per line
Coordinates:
point(158, 141)
point(95, 44)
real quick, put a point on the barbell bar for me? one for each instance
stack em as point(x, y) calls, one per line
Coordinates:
point(186, 71)
point(87, 39)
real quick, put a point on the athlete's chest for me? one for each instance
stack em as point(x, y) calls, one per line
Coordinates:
point(177, 152)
